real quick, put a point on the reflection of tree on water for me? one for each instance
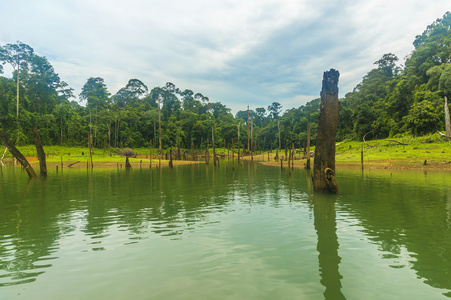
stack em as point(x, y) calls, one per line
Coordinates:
point(325, 225)
point(398, 212)
point(25, 247)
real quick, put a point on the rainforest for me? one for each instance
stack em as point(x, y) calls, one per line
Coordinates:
point(393, 99)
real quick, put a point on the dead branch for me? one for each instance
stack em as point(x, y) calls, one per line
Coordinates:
point(372, 131)
point(397, 142)
point(73, 164)
point(444, 135)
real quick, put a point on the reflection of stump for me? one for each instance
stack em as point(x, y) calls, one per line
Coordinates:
point(327, 246)
point(326, 135)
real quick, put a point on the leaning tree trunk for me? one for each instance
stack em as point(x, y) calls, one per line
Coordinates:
point(40, 152)
point(324, 161)
point(16, 153)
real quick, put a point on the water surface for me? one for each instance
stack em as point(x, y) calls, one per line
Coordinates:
point(195, 232)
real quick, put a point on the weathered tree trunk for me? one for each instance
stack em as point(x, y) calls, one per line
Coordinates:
point(159, 127)
point(324, 161)
point(248, 137)
point(233, 155)
point(40, 152)
point(150, 154)
point(239, 144)
point(213, 142)
point(16, 153)
point(192, 149)
point(90, 150)
point(447, 119)
point(307, 165)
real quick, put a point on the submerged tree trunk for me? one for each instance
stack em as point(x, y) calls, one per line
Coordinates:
point(324, 161)
point(16, 153)
point(40, 152)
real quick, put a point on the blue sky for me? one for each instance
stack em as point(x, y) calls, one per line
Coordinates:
point(240, 53)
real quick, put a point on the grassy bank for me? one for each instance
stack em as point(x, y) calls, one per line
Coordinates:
point(398, 152)
point(431, 150)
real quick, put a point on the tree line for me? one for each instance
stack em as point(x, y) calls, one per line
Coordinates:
point(391, 99)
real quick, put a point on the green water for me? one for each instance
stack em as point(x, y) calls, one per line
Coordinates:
point(201, 233)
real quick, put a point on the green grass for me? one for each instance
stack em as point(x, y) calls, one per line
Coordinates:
point(432, 148)
point(416, 150)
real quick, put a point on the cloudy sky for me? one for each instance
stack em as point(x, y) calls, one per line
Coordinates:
point(238, 52)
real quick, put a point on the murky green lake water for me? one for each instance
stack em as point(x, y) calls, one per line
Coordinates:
point(201, 233)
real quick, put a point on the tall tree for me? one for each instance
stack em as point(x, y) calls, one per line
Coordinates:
point(18, 56)
point(131, 93)
point(260, 113)
point(95, 93)
point(274, 110)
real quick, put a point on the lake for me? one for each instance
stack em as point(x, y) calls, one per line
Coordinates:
point(196, 232)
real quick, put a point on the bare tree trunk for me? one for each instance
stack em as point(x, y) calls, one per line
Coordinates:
point(150, 154)
point(252, 136)
point(278, 129)
point(213, 142)
point(233, 155)
point(248, 137)
point(109, 137)
point(159, 125)
point(447, 119)
point(90, 150)
point(40, 152)
point(324, 162)
point(16, 153)
point(307, 165)
point(192, 148)
point(239, 144)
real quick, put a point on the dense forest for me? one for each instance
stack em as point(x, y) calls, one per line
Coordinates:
point(392, 99)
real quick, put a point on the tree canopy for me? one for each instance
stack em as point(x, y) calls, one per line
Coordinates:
point(392, 98)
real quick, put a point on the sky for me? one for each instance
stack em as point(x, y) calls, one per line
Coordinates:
point(237, 52)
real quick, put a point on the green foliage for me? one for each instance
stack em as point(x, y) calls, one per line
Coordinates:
point(126, 152)
point(423, 118)
point(391, 100)
point(445, 81)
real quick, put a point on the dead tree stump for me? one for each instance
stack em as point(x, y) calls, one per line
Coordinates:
point(40, 152)
point(324, 161)
point(127, 163)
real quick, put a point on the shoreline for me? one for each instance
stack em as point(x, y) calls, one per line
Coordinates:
point(119, 162)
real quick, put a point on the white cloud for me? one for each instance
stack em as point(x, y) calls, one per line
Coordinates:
point(238, 52)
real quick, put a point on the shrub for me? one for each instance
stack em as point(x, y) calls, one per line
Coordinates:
point(128, 152)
